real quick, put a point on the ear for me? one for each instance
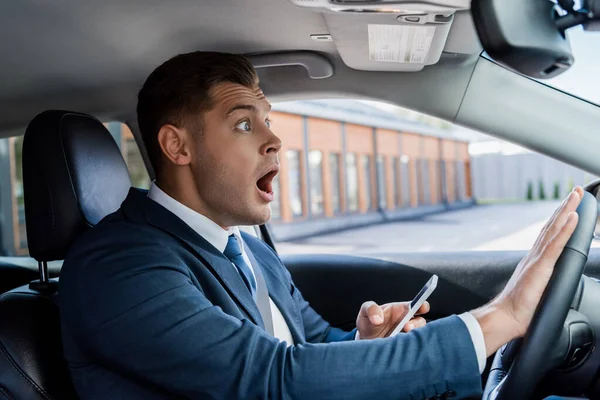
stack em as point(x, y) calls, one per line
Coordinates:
point(175, 144)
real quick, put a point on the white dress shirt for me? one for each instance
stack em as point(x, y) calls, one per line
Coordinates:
point(218, 237)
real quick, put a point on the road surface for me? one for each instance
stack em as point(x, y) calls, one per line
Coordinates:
point(486, 227)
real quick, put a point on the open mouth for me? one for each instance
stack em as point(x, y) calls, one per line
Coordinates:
point(265, 184)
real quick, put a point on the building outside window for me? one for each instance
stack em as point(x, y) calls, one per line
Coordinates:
point(334, 169)
point(352, 183)
point(295, 182)
point(365, 163)
point(381, 182)
point(315, 173)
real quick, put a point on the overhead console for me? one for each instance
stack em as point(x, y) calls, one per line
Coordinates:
point(387, 35)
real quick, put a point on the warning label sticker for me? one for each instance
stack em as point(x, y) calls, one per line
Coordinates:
point(400, 43)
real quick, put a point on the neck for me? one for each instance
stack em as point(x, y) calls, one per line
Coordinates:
point(187, 195)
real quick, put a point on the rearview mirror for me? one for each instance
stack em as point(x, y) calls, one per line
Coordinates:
point(594, 188)
point(523, 36)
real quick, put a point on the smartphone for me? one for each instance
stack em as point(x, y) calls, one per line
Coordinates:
point(416, 303)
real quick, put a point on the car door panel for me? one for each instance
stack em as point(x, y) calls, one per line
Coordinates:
point(336, 285)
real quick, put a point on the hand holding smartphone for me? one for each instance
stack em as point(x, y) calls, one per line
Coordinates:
point(416, 303)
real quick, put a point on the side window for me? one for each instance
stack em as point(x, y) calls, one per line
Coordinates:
point(16, 201)
point(348, 164)
point(13, 233)
point(131, 154)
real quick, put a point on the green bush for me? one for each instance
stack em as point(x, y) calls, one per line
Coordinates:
point(530, 191)
point(570, 185)
point(542, 190)
point(556, 190)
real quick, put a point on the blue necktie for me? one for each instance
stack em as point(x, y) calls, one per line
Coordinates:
point(234, 253)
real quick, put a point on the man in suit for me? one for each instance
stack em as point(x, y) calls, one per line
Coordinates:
point(166, 298)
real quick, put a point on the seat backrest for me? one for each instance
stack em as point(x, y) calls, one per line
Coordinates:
point(73, 176)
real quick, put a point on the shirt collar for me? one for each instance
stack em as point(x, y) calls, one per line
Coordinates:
point(202, 225)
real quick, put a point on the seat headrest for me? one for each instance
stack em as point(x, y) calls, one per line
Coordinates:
point(73, 176)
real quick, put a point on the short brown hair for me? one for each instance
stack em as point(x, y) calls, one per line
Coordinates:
point(178, 91)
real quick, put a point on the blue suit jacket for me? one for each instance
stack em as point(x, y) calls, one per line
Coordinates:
point(150, 310)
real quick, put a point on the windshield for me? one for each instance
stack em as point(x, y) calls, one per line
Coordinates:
point(582, 79)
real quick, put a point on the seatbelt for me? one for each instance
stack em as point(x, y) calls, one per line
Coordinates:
point(262, 294)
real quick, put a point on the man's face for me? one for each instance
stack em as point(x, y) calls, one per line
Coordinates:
point(235, 156)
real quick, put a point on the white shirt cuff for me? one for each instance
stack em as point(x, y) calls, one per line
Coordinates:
point(476, 337)
point(356, 335)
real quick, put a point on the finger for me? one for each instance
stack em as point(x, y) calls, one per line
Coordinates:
point(558, 242)
point(414, 323)
point(372, 312)
point(424, 309)
point(560, 216)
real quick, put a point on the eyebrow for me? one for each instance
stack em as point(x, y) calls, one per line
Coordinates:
point(248, 107)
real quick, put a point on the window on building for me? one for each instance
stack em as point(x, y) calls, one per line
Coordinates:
point(425, 183)
point(405, 180)
point(381, 182)
point(365, 162)
point(396, 189)
point(443, 182)
point(419, 181)
point(352, 182)
point(334, 171)
point(435, 181)
point(460, 183)
point(295, 181)
point(315, 173)
point(276, 203)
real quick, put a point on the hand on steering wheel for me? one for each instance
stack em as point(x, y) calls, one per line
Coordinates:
point(550, 272)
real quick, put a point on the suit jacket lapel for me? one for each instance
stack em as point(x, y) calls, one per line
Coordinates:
point(220, 266)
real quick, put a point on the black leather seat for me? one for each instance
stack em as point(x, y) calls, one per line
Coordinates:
point(73, 176)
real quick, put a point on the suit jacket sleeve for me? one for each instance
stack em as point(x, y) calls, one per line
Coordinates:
point(151, 323)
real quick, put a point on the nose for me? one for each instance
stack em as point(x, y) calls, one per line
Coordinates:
point(272, 145)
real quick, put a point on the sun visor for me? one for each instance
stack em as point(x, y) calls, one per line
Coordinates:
point(387, 41)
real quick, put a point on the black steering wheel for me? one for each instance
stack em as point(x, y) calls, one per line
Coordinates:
point(520, 365)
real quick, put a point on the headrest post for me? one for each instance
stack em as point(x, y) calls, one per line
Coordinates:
point(44, 284)
point(43, 267)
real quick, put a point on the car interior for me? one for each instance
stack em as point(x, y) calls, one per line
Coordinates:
point(484, 69)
